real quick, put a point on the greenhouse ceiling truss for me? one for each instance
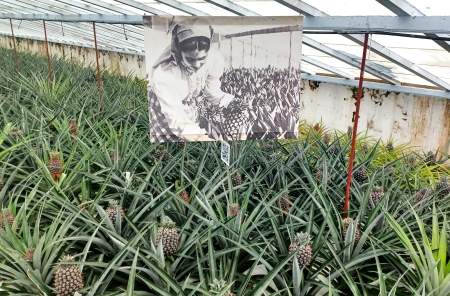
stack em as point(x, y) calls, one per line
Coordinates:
point(120, 30)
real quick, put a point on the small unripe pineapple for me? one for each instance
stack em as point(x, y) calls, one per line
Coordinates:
point(430, 158)
point(235, 208)
point(73, 127)
point(284, 202)
point(16, 134)
point(411, 161)
point(236, 180)
point(162, 154)
point(443, 187)
point(326, 138)
point(169, 236)
point(346, 222)
point(2, 184)
point(422, 195)
point(68, 278)
point(5, 214)
point(360, 174)
point(111, 155)
point(390, 146)
point(55, 165)
point(319, 176)
point(217, 287)
point(185, 196)
point(376, 195)
point(349, 131)
point(304, 255)
point(112, 210)
point(269, 146)
point(29, 254)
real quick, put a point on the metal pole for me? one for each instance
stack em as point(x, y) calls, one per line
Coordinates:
point(48, 55)
point(99, 81)
point(14, 43)
point(355, 126)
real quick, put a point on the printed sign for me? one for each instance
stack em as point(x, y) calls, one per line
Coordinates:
point(225, 153)
point(223, 78)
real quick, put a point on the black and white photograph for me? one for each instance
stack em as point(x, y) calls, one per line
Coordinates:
point(223, 78)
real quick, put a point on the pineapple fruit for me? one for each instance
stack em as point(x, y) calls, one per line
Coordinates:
point(283, 202)
point(5, 214)
point(334, 149)
point(73, 127)
point(55, 165)
point(113, 209)
point(235, 116)
point(326, 138)
point(376, 195)
point(365, 148)
point(390, 146)
point(169, 237)
point(319, 176)
point(162, 154)
point(217, 287)
point(360, 174)
point(346, 222)
point(185, 196)
point(29, 254)
point(443, 187)
point(16, 134)
point(422, 194)
point(430, 158)
point(68, 278)
point(2, 184)
point(236, 180)
point(235, 208)
point(304, 255)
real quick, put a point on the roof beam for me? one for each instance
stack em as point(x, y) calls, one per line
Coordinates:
point(232, 7)
point(340, 24)
point(404, 8)
point(380, 86)
point(347, 59)
point(383, 51)
point(327, 67)
point(172, 3)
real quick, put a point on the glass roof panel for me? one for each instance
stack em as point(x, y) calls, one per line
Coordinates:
point(432, 7)
point(350, 7)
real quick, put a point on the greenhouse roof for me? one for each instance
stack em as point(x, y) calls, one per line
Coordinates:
point(398, 61)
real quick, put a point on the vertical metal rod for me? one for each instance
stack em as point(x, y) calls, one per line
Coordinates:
point(355, 126)
point(99, 81)
point(14, 43)
point(48, 55)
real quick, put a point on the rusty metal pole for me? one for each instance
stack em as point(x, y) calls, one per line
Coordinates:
point(355, 126)
point(99, 80)
point(48, 55)
point(14, 44)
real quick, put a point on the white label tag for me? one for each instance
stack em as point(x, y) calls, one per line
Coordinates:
point(225, 153)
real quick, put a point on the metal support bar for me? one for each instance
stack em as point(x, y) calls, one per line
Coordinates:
point(380, 86)
point(99, 80)
point(232, 7)
point(355, 126)
point(404, 8)
point(172, 3)
point(14, 43)
point(48, 55)
point(326, 67)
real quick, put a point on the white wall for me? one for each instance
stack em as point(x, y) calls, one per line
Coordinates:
point(424, 122)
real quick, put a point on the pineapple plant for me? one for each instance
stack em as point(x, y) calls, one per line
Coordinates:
point(411, 161)
point(422, 195)
point(55, 165)
point(283, 202)
point(443, 187)
point(111, 155)
point(162, 154)
point(113, 209)
point(360, 174)
point(346, 223)
point(319, 176)
point(235, 117)
point(67, 278)
point(376, 195)
point(5, 214)
point(304, 255)
point(168, 235)
point(218, 285)
point(326, 138)
point(16, 134)
point(73, 127)
point(29, 254)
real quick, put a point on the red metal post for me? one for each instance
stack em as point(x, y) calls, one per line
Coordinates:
point(99, 80)
point(355, 126)
point(48, 55)
point(14, 43)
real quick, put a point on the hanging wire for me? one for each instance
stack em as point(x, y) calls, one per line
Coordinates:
point(62, 28)
point(20, 24)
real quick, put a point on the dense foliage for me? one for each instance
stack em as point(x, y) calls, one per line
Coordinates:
point(145, 219)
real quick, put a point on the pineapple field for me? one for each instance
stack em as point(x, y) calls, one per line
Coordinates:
point(90, 207)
